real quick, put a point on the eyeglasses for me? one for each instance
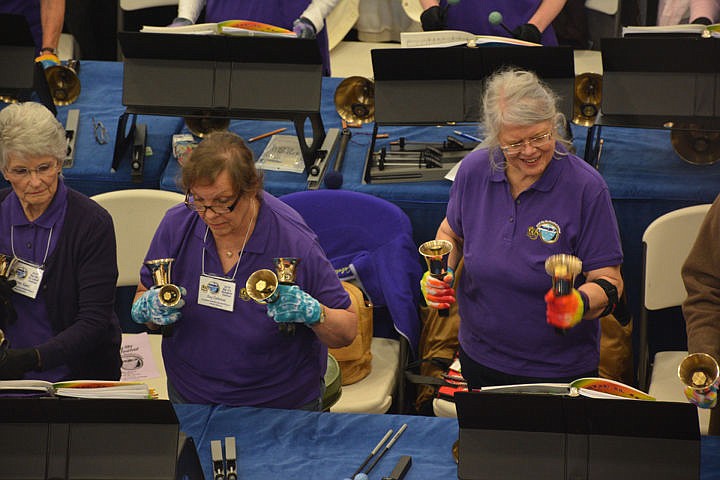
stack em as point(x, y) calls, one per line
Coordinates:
point(535, 142)
point(216, 209)
point(44, 170)
point(100, 131)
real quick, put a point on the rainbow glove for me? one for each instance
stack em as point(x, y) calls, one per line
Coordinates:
point(438, 293)
point(705, 398)
point(48, 60)
point(148, 308)
point(564, 311)
point(294, 306)
point(304, 28)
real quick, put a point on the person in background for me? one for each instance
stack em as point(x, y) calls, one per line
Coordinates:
point(224, 350)
point(701, 309)
point(58, 301)
point(703, 12)
point(45, 18)
point(305, 19)
point(529, 20)
point(516, 201)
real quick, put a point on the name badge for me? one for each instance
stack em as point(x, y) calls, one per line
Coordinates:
point(27, 277)
point(216, 292)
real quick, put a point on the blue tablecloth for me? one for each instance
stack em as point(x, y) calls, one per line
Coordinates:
point(295, 444)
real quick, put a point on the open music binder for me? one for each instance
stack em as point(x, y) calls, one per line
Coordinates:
point(225, 77)
point(505, 435)
point(64, 439)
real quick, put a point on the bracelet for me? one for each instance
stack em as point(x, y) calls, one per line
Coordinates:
point(612, 295)
point(49, 50)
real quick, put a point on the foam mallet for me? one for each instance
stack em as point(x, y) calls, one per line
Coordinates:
point(496, 18)
point(372, 454)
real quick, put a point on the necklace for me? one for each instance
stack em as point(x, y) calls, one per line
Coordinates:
point(251, 210)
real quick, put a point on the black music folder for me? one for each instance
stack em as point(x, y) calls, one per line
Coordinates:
point(507, 435)
point(67, 438)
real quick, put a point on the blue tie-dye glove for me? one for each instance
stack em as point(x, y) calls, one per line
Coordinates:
point(294, 306)
point(148, 308)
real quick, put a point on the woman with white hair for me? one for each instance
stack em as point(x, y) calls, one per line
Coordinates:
point(58, 297)
point(515, 202)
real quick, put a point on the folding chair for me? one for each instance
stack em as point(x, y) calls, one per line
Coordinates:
point(370, 239)
point(666, 244)
point(136, 214)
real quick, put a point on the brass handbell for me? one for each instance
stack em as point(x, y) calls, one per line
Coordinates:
point(588, 96)
point(563, 268)
point(436, 254)
point(700, 374)
point(262, 285)
point(355, 100)
point(63, 82)
point(169, 294)
point(6, 264)
point(695, 145)
point(201, 126)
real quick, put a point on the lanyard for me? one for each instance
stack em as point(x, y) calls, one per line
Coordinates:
point(242, 249)
point(47, 247)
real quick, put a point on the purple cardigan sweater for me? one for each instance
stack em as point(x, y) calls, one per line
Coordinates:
point(79, 289)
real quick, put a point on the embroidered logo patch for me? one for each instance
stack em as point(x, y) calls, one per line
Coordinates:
point(546, 230)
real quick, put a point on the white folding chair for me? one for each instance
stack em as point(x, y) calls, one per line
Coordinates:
point(666, 244)
point(136, 214)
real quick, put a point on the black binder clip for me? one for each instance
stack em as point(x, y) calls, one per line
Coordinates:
point(224, 467)
point(218, 462)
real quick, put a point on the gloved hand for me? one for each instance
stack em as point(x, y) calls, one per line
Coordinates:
point(180, 22)
point(702, 21)
point(304, 28)
point(48, 60)
point(528, 32)
point(17, 362)
point(148, 308)
point(564, 311)
point(7, 311)
point(434, 18)
point(294, 306)
point(438, 293)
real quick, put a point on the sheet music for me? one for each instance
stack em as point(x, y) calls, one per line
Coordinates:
point(138, 362)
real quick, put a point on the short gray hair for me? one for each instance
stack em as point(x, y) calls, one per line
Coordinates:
point(30, 130)
point(516, 97)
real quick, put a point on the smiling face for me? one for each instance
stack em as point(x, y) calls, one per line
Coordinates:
point(528, 150)
point(34, 180)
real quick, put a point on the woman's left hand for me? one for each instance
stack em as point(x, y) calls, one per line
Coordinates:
point(564, 311)
point(294, 306)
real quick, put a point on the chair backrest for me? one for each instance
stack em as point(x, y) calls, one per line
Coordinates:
point(136, 214)
point(667, 242)
point(373, 237)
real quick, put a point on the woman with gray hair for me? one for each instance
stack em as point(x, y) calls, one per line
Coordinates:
point(515, 202)
point(59, 293)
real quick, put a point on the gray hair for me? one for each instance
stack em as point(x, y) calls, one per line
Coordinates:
point(30, 130)
point(517, 97)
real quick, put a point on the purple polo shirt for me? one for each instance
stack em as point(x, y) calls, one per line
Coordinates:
point(30, 9)
point(281, 13)
point(31, 241)
point(240, 358)
point(506, 242)
point(472, 16)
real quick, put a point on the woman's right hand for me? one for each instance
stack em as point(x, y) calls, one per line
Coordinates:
point(148, 309)
point(438, 293)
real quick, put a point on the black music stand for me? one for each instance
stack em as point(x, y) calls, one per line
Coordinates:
point(426, 86)
point(658, 82)
point(224, 77)
point(20, 75)
point(508, 435)
point(67, 438)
